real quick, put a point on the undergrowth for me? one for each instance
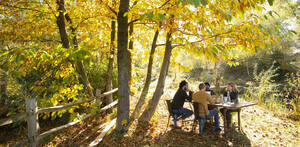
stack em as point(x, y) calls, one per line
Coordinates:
point(279, 98)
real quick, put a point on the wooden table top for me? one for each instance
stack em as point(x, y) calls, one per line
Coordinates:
point(234, 106)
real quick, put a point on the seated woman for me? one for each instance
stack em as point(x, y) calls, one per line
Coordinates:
point(231, 92)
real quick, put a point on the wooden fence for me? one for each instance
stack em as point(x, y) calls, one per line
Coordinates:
point(32, 113)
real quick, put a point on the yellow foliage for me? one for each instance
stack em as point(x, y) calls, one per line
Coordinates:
point(124, 122)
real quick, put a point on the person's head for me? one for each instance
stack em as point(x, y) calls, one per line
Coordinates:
point(183, 85)
point(207, 85)
point(231, 87)
point(202, 87)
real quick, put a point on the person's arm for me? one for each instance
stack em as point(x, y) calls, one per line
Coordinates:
point(196, 98)
point(210, 99)
point(187, 97)
point(190, 97)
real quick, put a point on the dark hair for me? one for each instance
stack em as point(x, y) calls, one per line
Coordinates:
point(182, 83)
point(207, 84)
point(201, 86)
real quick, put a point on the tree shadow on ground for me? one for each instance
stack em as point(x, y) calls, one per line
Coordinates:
point(148, 136)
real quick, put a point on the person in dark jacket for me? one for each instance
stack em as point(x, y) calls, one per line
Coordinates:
point(177, 104)
point(210, 92)
point(231, 92)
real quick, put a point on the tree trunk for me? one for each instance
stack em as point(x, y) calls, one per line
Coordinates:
point(150, 109)
point(82, 72)
point(144, 93)
point(130, 48)
point(3, 93)
point(123, 68)
point(109, 98)
point(65, 41)
point(216, 78)
point(62, 24)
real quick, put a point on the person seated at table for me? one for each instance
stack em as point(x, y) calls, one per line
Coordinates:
point(212, 93)
point(204, 99)
point(177, 104)
point(232, 92)
point(208, 90)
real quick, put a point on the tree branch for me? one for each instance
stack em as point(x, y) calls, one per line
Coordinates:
point(135, 20)
point(195, 42)
point(21, 8)
point(110, 8)
point(164, 4)
point(84, 19)
point(186, 33)
point(51, 9)
point(145, 23)
point(134, 3)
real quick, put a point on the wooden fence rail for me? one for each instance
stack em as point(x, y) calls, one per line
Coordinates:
point(32, 112)
point(12, 119)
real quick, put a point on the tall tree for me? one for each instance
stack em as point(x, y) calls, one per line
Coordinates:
point(123, 68)
point(144, 93)
point(65, 41)
point(110, 67)
point(150, 108)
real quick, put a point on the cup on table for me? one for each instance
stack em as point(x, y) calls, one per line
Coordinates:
point(225, 99)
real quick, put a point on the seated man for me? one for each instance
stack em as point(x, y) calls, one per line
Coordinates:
point(178, 101)
point(204, 99)
point(212, 93)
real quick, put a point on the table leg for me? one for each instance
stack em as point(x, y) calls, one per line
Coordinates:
point(239, 119)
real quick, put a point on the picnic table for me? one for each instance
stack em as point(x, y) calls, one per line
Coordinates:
point(233, 106)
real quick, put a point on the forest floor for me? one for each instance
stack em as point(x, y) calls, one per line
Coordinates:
point(260, 128)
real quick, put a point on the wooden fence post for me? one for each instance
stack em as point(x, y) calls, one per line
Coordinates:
point(32, 122)
point(98, 98)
